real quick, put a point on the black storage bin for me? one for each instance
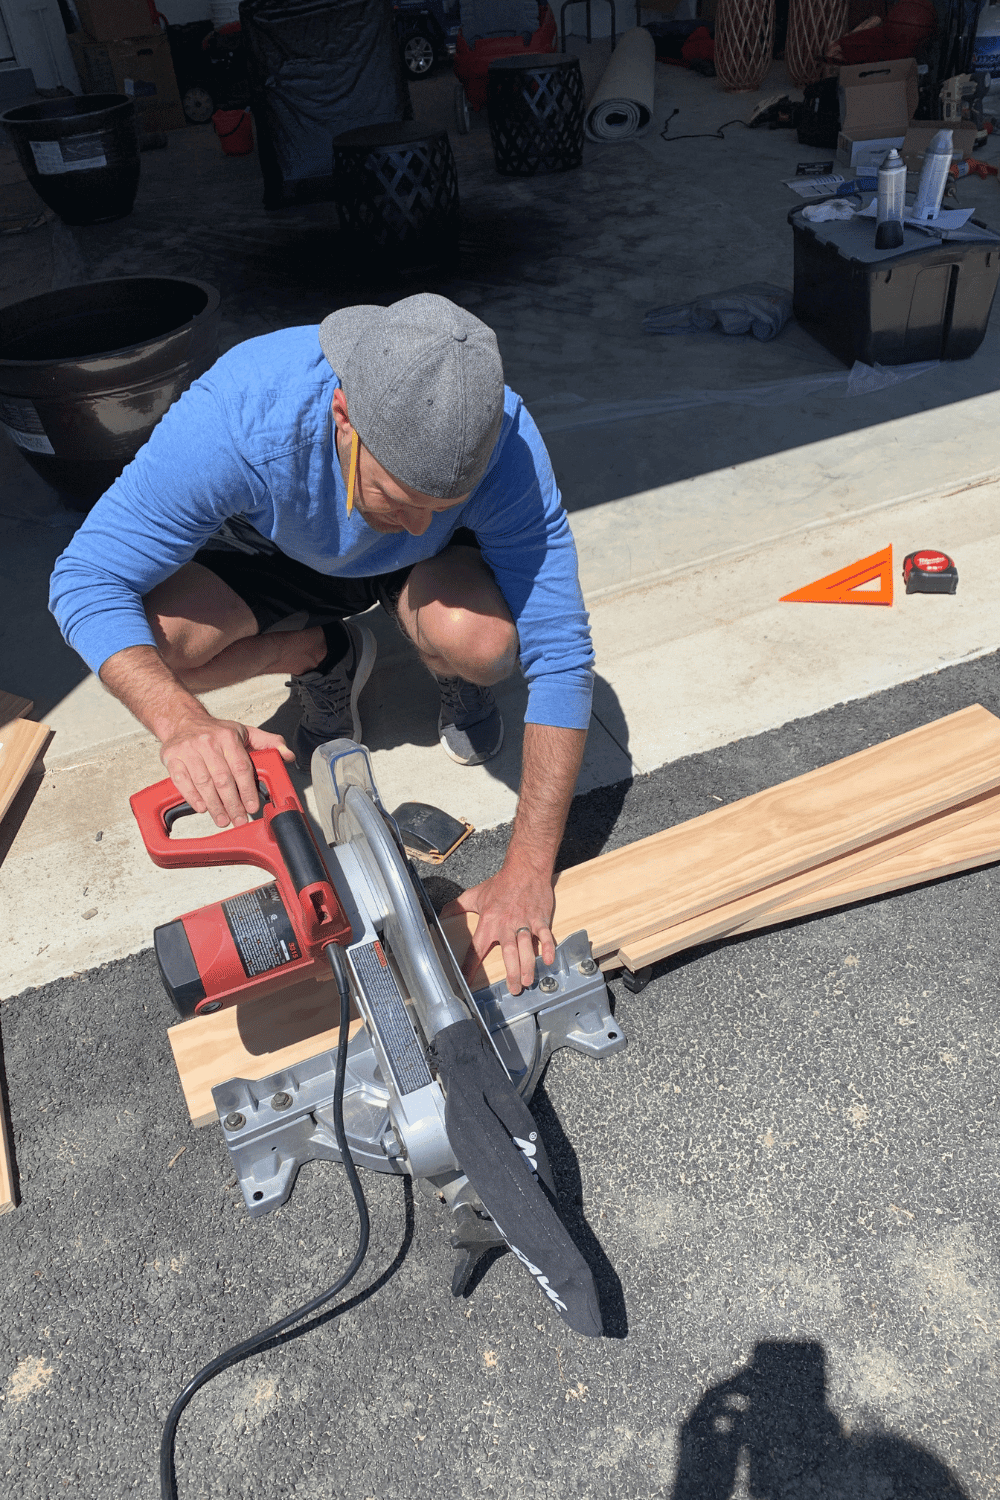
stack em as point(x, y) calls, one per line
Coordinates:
point(318, 68)
point(930, 299)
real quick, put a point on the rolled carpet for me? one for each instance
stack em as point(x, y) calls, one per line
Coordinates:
point(622, 106)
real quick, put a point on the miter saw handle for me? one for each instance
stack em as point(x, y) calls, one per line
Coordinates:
point(157, 808)
point(280, 841)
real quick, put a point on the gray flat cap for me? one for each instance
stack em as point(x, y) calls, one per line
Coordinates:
point(423, 382)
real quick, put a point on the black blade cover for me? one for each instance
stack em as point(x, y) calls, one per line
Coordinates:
point(495, 1139)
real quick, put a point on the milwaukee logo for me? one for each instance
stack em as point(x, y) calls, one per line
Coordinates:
point(528, 1150)
point(543, 1281)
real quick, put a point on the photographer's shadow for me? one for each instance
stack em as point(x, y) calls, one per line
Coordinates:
point(768, 1432)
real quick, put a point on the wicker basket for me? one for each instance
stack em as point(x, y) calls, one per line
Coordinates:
point(744, 42)
point(812, 26)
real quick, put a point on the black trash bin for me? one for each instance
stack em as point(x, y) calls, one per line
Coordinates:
point(81, 154)
point(86, 373)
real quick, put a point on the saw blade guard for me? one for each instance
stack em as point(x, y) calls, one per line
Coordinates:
point(334, 767)
point(351, 813)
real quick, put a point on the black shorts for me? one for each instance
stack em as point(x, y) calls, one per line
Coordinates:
point(276, 587)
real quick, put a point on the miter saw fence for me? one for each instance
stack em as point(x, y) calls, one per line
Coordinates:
point(437, 1081)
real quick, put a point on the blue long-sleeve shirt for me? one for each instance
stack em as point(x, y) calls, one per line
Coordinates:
point(255, 437)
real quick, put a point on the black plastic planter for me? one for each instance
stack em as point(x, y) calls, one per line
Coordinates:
point(86, 373)
point(81, 155)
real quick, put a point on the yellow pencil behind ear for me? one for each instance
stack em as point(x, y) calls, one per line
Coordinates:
point(352, 473)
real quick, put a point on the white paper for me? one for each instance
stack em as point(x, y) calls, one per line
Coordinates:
point(814, 187)
point(948, 218)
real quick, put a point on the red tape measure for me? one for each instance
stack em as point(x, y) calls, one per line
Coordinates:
point(929, 572)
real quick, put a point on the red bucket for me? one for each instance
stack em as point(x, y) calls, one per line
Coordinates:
point(234, 127)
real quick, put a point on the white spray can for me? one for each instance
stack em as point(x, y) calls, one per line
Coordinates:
point(891, 202)
point(934, 176)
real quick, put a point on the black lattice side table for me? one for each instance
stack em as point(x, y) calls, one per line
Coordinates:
point(534, 103)
point(396, 189)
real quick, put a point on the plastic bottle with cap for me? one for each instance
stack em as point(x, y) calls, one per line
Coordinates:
point(934, 176)
point(891, 202)
point(986, 54)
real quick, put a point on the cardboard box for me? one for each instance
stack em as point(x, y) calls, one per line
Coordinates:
point(922, 132)
point(110, 20)
point(863, 158)
point(877, 102)
point(140, 66)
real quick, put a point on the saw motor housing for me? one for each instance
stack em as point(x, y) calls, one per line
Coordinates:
point(261, 940)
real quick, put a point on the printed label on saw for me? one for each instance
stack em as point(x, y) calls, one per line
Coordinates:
point(264, 937)
point(389, 1015)
point(21, 422)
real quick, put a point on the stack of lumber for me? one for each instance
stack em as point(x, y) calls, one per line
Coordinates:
point(912, 809)
point(915, 808)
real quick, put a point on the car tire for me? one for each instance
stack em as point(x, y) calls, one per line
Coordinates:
point(418, 54)
point(198, 105)
point(463, 119)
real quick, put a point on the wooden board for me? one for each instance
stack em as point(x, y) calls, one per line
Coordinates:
point(20, 742)
point(920, 842)
point(7, 1200)
point(949, 854)
point(634, 892)
point(13, 707)
point(253, 1039)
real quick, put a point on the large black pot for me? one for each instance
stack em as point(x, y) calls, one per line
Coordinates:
point(81, 155)
point(86, 373)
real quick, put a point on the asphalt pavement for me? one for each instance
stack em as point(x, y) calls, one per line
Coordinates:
point(786, 1186)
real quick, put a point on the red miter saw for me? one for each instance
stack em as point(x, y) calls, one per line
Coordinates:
point(438, 1079)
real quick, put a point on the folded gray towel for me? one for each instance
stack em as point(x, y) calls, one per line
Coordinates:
point(758, 308)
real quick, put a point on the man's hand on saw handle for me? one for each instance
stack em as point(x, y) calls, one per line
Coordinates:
point(205, 757)
point(209, 765)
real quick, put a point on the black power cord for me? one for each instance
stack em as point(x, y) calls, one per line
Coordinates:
point(270, 1337)
point(702, 135)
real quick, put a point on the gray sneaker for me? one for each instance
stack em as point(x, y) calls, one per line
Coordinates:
point(469, 723)
point(328, 701)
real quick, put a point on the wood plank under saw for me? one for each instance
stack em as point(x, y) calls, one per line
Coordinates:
point(253, 1040)
point(920, 843)
point(634, 892)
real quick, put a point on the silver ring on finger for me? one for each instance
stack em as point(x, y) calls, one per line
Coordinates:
point(518, 930)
